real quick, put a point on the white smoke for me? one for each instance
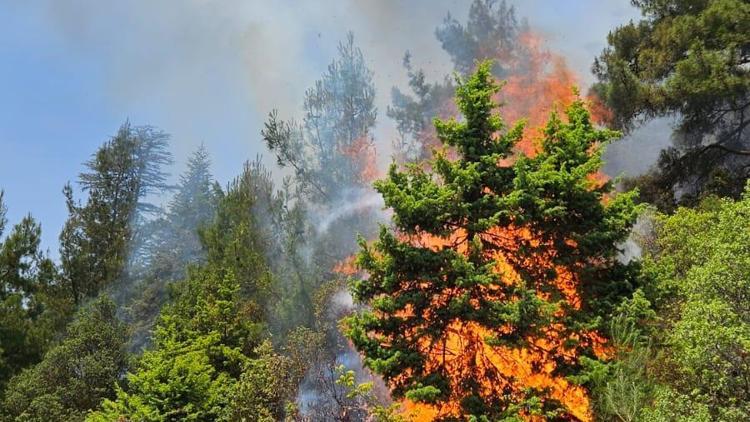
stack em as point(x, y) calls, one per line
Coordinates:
point(637, 152)
point(640, 235)
point(349, 203)
point(217, 68)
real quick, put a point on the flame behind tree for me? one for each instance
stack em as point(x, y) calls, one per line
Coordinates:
point(536, 79)
point(492, 286)
point(332, 149)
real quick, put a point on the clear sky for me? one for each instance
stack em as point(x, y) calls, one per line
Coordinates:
point(71, 71)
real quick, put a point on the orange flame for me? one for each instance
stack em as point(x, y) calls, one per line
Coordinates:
point(540, 82)
point(346, 267)
point(464, 350)
point(363, 156)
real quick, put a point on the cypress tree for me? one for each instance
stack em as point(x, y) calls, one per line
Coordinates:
point(489, 290)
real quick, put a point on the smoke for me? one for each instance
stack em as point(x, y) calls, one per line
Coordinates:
point(320, 396)
point(637, 152)
point(210, 71)
point(352, 201)
point(640, 237)
point(216, 68)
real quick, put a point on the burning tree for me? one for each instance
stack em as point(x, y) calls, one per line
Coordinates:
point(332, 149)
point(489, 292)
point(536, 78)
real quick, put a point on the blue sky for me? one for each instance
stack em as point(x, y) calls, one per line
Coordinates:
point(209, 71)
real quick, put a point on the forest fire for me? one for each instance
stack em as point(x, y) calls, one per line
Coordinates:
point(347, 267)
point(467, 350)
point(539, 83)
point(362, 156)
point(467, 353)
point(280, 272)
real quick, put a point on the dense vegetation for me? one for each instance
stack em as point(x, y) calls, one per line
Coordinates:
point(688, 60)
point(435, 288)
point(510, 282)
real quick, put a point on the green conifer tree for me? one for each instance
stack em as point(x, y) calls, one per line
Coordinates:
point(32, 308)
point(438, 313)
point(96, 239)
point(687, 60)
point(76, 374)
point(210, 342)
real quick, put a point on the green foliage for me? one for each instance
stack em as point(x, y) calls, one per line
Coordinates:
point(671, 406)
point(97, 237)
point(32, 306)
point(492, 31)
point(210, 358)
point(265, 387)
point(192, 207)
point(413, 113)
point(250, 310)
point(701, 269)
point(173, 240)
point(236, 242)
point(201, 345)
point(329, 150)
point(550, 194)
point(331, 155)
point(170, 244)
point(686, 58)
point(360, 401)
point(284, 230)
point(76, 374)
point(622, 387)
point(177, 381)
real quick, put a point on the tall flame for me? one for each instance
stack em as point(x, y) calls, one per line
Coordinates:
point(539, 83)
point(466, 349)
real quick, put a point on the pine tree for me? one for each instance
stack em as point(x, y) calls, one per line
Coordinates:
point(329, 151)
point(210, 341)
point(492, 284)
point(173, 243)
point(685, 60)
point(96, 239)
point(492, 31)
point(193, 207)
point(31, 310)
point(76, 374)
point(173, 239)
point(413, 112)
